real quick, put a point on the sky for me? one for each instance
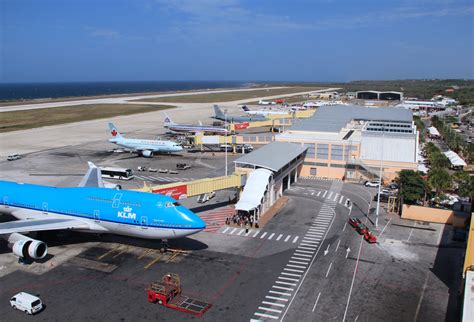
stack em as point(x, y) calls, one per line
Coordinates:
point(294, 40)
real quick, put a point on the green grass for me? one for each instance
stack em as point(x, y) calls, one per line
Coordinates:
point(28, 119)
point(232, 96)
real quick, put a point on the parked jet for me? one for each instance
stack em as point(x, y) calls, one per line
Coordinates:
point(236, 119)
point(263, 112)
point(169, 124)
point(89, 208)
point(145, 147)
point(266, 103)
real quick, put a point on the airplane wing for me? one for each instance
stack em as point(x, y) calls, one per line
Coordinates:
point(28, 225)
point(93, 177)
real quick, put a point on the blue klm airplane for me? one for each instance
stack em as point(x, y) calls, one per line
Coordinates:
point(89, 208)
point(144, 146)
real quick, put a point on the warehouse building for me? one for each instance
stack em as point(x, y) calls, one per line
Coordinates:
point(378, 95)
point(353, 142)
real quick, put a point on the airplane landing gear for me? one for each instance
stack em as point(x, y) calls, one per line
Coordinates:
point(164, 246)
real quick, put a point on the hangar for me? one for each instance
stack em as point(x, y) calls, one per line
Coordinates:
point(378, 95)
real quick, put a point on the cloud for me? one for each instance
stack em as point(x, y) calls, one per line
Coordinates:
point(103, 33)
point(219, 19)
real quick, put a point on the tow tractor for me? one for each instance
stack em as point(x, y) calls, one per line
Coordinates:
point(167, 292)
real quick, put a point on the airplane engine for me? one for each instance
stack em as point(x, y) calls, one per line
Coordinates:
point(147, 154)
point(26, 247)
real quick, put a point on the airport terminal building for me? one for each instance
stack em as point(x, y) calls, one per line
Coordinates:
point(353, 142)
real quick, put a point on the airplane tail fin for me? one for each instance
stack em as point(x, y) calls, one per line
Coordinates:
point(218, 112)
point(114, 131)
point(92, 178)
point(168, 121)
point(245, 108)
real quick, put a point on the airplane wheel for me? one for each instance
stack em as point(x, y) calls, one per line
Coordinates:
point(163, 249)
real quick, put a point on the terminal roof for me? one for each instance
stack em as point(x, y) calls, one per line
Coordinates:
point(334, 118)
point(273, 156)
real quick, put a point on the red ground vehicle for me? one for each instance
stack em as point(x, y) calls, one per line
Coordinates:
point(167, 292)
point(370, 237)
point(354, 221)
point(363, 230)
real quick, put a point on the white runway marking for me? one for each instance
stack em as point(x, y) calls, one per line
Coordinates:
point(268, 309)
point(316, 303)
point(329, 269)
point(304, 251)
point(283, 288)
point(266, 316)
point(288, 279)
point(299, 258)
point(273, 303)
point(276, 298)
point(285, 283)
point(296, 266)
point(279, 293)
point(298, 262)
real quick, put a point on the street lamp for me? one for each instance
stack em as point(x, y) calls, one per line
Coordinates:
point(226, 146)
point(380, 180)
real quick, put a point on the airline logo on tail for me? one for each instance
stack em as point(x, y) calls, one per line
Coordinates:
point(114, 133)
point(245, 108)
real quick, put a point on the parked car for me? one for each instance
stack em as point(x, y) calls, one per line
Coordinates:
point(141, 168)
point(153, 170)
point(163, 170)
point(393, 186)
point(13, 157)
point(26, 302)
point(372, 184)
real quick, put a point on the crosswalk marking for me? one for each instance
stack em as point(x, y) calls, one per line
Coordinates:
point(288, 237)
point(295, 239)
point(263, 235)
point(279, 236)
point(271, 236)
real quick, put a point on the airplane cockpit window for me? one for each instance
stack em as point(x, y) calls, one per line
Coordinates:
point(169, 204)
point(176, 204)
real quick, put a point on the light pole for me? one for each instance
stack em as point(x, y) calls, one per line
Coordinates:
point(380, 181)
point(226, 145)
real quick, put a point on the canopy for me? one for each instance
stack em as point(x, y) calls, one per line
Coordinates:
point(455, 159)
point(254, 190)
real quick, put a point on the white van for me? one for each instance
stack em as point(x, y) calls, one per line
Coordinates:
point(26, 302)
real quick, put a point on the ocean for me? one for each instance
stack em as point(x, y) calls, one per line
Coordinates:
point(24, 91)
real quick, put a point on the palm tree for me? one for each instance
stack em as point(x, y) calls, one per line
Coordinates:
point(439, 179)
